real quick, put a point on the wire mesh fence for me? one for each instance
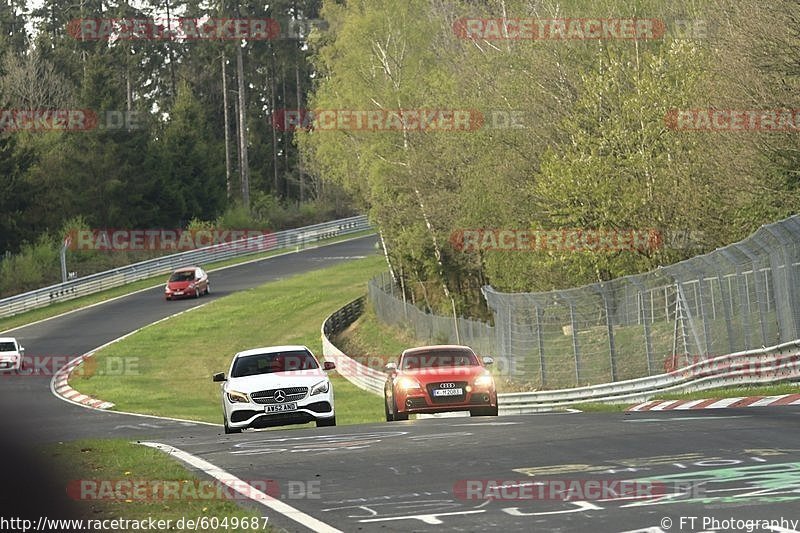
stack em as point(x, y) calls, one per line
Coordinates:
point(736, 298)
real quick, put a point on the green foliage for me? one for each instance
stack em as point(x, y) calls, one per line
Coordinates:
point(29, 269)
point(594, 151)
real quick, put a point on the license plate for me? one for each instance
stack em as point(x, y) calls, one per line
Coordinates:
point(280, 407)
point(178, 292)
point(448, 392)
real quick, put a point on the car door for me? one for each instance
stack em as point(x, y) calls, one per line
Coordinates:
point(202, 279)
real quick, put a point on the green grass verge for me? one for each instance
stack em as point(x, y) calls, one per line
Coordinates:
point(367, 336)
point(113, 460)
point(70, 305)
point(169, 365)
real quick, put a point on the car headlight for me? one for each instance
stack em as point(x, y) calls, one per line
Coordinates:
point(237, 397)
point(320, 388)
point(484, 380)
point(407, 383)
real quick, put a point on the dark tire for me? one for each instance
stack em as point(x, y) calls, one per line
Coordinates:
point(208, 289)
point(229, 430)
point(397, 414)
point(326, 422)
point(167, 299)
point(197, 293)
point(389, 416)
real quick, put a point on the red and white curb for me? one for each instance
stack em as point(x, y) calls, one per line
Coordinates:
point(61, 386)
point(716, 403)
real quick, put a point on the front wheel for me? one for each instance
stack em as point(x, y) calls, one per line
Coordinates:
point(483, 411)
point(389, 416)
point(197, 293)
point(326, 422)
point(397, 414)
point(208, 289)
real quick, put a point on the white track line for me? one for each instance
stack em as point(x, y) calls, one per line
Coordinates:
point(237, 484)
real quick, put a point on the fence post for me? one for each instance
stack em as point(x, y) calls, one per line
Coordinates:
point(648, 340)
point(602, 289)
point(540, 344)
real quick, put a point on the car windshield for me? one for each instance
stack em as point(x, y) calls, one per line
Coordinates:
point(7, 347)
point(439, 359)
point(182, 276)
point(267, 363)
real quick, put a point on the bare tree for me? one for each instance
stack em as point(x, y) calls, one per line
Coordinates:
point(31, 82)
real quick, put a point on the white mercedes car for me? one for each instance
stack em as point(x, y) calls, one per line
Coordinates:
point(10, 354)
point(276, 386)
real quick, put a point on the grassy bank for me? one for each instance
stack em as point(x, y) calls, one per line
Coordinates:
point(77, 303)
point(174, 360)
point(102, 463)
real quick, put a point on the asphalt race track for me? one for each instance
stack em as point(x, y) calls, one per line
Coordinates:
point(667, 471)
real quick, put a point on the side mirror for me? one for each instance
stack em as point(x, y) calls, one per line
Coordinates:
point(390, 367)
point(328, 365)
point(488, 360)
point(21, 349)
point(220, 376)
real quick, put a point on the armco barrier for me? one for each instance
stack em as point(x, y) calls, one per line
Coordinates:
point(766, 365)
point(281, 240)
point(363, 377)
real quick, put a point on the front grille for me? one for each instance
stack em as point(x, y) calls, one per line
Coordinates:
point(293, 394)
point(242, 415)
point(280, 419)
point(416, 403)
point(478, 397)
point(318, 407)
point(448, 399)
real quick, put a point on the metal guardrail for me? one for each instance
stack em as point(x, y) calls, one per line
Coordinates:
point(363, 377)
point(765, 365)
point(281, 240)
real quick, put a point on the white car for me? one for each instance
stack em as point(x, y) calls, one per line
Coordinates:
point(276, 386)
point(10, 354)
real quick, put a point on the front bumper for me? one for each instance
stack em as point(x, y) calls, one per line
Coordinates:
point(10, 363)
point(242, 415)
point(418, 401)
point(179, 293)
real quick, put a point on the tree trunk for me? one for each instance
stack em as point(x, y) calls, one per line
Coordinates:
point(245, 167)
point(227, 129)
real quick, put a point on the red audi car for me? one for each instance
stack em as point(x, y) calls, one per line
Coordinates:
point(187, 282)
point(437, 379)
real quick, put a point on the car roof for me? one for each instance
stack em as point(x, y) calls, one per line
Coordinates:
point(437, 347)
point(184, 269)
point(8, 339)
point(273, 349)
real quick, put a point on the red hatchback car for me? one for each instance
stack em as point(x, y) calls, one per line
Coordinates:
point(187, 282)
point(437, 379)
